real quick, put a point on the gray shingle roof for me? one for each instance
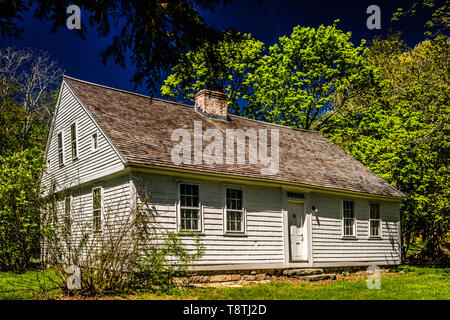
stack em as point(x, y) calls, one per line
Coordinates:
point(140, 128)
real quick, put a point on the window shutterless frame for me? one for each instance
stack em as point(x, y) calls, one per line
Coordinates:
point(375, 221)
point(68, 207)
point(235, 217)
point(348, 217)
point(74, 140)
point(189, 207)
point(97, 209)
point(60, 148)
point(94, 141)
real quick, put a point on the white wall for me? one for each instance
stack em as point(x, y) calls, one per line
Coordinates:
point(329, 247)
point(263, 241)
point(90, 164)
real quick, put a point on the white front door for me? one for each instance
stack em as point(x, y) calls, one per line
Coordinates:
point(297, 232)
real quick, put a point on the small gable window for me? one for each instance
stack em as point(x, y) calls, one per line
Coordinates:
point(60, 149)
point(94, 141)
point(73, 141)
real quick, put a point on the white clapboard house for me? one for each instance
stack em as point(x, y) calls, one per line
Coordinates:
point(312, 205)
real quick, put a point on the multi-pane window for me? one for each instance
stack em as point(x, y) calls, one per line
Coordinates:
point(73, 140)
point(349, 218)
point(97, 208)
point(67, 210)
point(375, 220)
point(60, 149)
point(189, 207)
point(94, 141)
point(235, 210)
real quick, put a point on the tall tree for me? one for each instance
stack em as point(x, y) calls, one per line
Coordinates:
point(29, 79)
point(305, 75)
point(438, 15)
point(401, 131)
point(156, 33)
point(226, 71)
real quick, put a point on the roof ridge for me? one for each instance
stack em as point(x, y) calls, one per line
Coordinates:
point(184, 105)
point(126, 91)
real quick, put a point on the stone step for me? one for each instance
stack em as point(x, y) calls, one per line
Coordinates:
point(317, 277)
point(301, 272)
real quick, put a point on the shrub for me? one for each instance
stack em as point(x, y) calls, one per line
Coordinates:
point(130, 253)
point(19, 208)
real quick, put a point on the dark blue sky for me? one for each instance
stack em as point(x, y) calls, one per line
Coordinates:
point(266, 20)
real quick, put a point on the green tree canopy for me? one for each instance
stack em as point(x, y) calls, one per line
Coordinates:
point(227, 73)
point(305, 75)
point(401, 131)
point(156, 33)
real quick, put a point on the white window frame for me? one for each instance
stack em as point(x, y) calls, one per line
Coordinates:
point(354, 235)
point(61, 160)
point(48, 166)
point(68, 214)
point(101, 210)
point(92, 141)
point(243, 211)
point(200, 208)
point(75, 124)
point(380, 229)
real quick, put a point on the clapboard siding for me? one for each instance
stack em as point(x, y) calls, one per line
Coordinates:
point(90, 164)
point(328, 244)
point(263, 241)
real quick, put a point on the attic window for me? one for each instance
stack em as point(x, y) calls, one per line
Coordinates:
point(295, 195)
point(73, 141)
point(94, 141)
point(60, 149)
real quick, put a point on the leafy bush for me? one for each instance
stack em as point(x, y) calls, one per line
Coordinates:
point(19, 208)
point(130, 253)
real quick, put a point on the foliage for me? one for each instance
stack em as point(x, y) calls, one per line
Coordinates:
point(438, 20)
point(234, 59)
point(152, 34)
point(311, 71)
point(401, 131)
point(11, 115)
point(19, 208)
point(129, 253)
point(305, 75)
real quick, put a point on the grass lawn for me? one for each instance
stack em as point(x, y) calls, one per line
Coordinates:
point(408, 283)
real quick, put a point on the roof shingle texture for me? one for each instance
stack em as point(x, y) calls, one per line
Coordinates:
point(140, 128)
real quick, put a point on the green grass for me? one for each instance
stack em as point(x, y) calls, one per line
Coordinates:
point(28, 285)
point(406, 283)
point(414, 284)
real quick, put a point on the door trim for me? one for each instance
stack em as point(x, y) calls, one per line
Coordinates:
point(307, 204)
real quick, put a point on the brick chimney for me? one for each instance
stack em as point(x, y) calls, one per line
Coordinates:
point(212, 104)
